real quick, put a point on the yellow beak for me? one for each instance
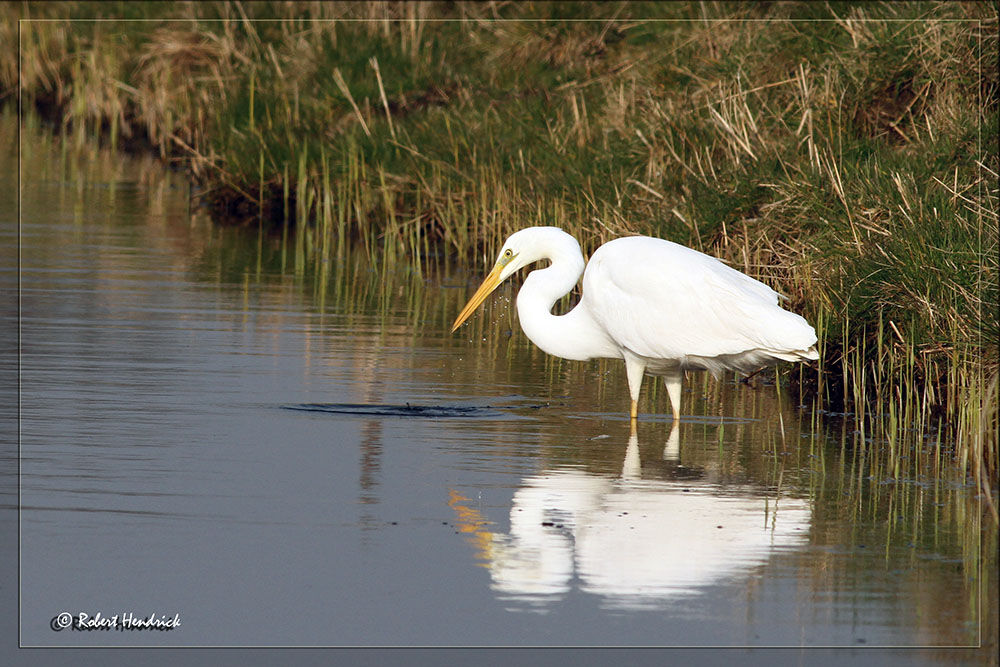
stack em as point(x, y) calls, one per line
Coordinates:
point(491, 282)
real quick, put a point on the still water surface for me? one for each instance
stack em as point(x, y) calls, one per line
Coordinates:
point(283, 452)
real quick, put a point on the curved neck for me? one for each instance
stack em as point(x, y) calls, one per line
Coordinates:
point(574, 335)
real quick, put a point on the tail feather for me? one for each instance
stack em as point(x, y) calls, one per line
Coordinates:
point(744, 362)
point(810, 354)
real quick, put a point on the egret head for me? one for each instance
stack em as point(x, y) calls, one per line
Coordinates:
point(519, 250)
point(515, 254)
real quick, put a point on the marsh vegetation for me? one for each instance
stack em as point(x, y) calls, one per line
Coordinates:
point(844, 153)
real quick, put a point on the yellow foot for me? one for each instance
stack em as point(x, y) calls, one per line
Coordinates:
point(634, 411)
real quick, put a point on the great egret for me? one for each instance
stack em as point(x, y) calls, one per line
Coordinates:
point(660, 306)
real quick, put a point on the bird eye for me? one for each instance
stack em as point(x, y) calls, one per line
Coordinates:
point(507, 252)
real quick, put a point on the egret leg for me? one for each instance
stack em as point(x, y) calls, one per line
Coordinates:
point(673, 381)
point(634, 368)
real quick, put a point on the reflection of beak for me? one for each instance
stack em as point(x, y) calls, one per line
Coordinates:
point(474, 525)
point(491, 282)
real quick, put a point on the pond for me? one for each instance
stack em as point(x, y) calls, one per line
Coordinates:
point(257, 449)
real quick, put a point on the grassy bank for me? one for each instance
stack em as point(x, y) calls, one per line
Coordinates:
point(844, 153)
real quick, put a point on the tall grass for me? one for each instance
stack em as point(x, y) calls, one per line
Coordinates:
point(844, 153)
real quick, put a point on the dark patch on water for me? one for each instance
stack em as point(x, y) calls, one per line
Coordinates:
point(408, 410)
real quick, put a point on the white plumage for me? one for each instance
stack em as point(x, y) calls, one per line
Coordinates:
point(661, 307)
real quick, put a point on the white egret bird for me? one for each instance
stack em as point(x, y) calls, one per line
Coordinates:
point(660, 306)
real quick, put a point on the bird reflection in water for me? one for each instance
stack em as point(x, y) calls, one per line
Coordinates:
point(636, 542)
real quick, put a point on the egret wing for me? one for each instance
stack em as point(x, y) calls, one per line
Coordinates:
point(662, 300)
